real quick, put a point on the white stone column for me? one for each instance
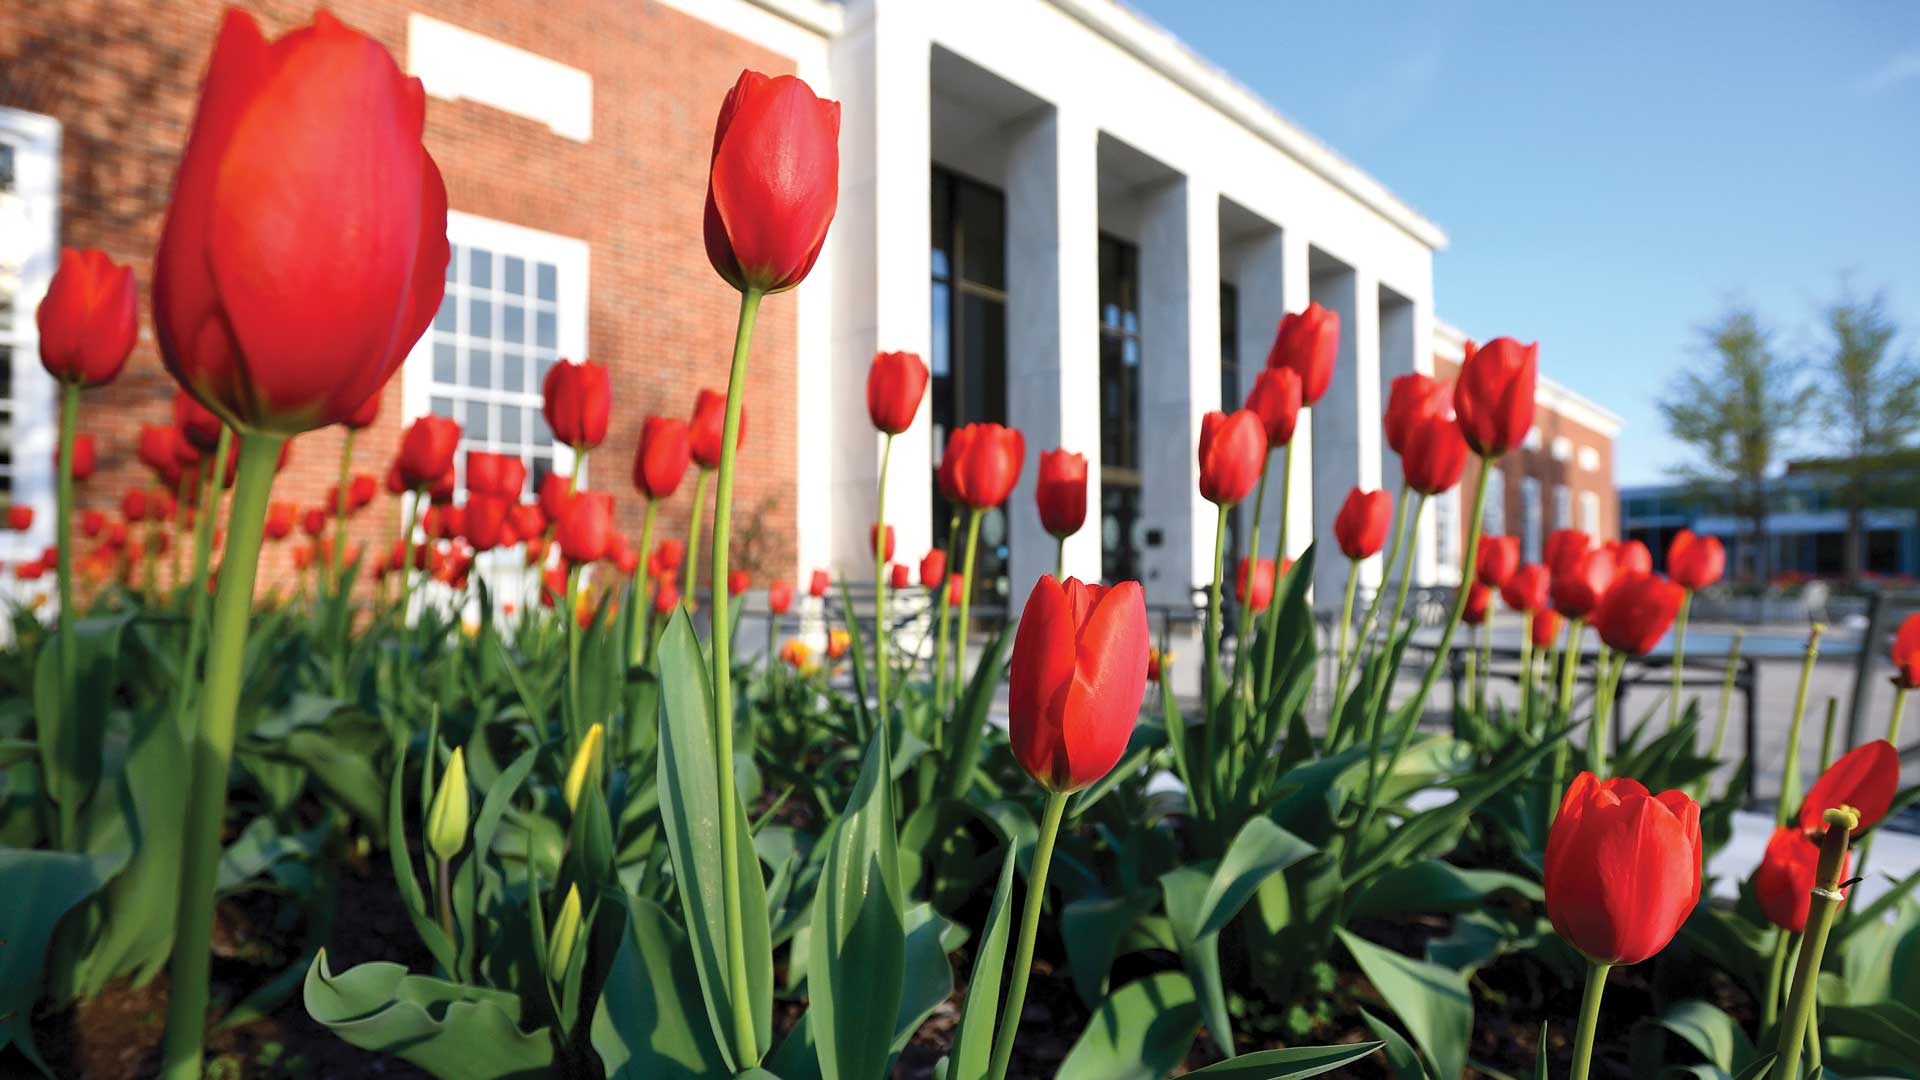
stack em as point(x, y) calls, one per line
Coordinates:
point(1296, 284)
point(883, 272)
point(1346, 422)
point(1180, 380)
point(1398, 357)
point(1053, 332)
point(1273, 281)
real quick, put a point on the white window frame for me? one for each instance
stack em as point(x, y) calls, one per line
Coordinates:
point(1590, 513)
point(1493, 516)
point(34, 244)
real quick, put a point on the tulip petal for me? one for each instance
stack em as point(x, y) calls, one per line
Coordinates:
point(1043, 667)
point(768, 185)
point(1864, 778)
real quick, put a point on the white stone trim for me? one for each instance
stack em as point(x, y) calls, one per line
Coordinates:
point(456, 64)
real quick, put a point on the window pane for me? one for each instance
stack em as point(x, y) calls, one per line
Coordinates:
point(545, 365)
point(981, 233)
point(514, 272)
point(513, 372)
point(444, 320)
point(983, 359)
point(480, 368)
point(443, 364)
point(542, 434)
point(548, 277)
point(510, 424)
point(476, 423)
point(546, 330)
point(453, 264)
point(480, 268)
point(513, 322)
point(479, 318)
point(442, 406)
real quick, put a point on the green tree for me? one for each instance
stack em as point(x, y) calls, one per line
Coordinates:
point(1870, 400)
point(1735, 410)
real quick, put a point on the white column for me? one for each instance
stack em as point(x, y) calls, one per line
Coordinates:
point(1273, 281)
point(1053, 335)
point(1346, 422)
point(1397, 358)
point(1180, 380)
point(1296, 285)
point(883, 271)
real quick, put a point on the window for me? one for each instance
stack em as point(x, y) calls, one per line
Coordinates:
point(1530, 531)
point(969, 342)
point(29, 252)
point(516, 303)
point(1232, 393)
point(1446, 533)
point(1590, 513)
point(1494, 519)
point(1121, 526)
point(1563, 507)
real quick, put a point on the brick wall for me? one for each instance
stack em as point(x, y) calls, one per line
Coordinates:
point(1552, 473)
point(122, 78)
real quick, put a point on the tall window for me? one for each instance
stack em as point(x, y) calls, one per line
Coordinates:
point(1121, 527)
point(29, 209)
point(1563, 507)
point(969, 361)
point(1530, 530)
point(1446, 532)
point(1590, 512)
point(1494, 519)
point(1232, 393)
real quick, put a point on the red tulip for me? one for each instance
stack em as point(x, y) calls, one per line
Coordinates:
point(1527, 588)
point(1362, 524)
point(1864, 778)
point(779, 596)
point(305, 248)
point(1622, 868)
point(156, 450)
point(879, 542)
point(709, 424)
point(587, 531)
point(92, 523)
point(666, 558)
point(666, 597)
point(1579, 590)
point(577, 400)
point(426, 451)
point(956, 584)
point(1783, 883)
point(774, 182)
point(1078, 674)
point(528, 522)
point(364, 416)
point(1232, 450)
point(1060, 491)
point(1494, 395)
point(1499, 558)
point(1434, 457)
point(1631, 556)
point(899, 576)
point(279, 520)
point(737, 582)
point(895, 384)
point(19, 518)
point(197, 422)
point(554, 497)
point(302, 558)
point(553, 586)
point(1413, 398)
point(503, 475)
point(985, 460)
point(31, 570)
point(314, 521)
point(361, 490)
point(88, 320)
point(1275, 399)
point(1262, 574)
point(133, 505)
point(487, 523)
point(933, 569)
point(1307, 342)
point(161, 506)
point(1906, 653)
point(1479, 602)
point(662, 456)
point(1156, 663)
point(1564, 548)
point(817, 584)
point(84, 458)
point(1695, 561)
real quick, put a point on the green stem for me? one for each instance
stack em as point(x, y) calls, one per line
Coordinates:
point(883, 662)
point(1813, 942)
point(940, 659)
point(197, 596)
point(1346, 625)
point(340, 507)
point(1059, 558)
point(1526, 670)
point(963, 630)
point(1009, 1027)
point(1899, 709)
point(637, 618)
point(189, 966)
point(69, 642)
point(693, 540)
point(576, 724)
point(1484, 634)
point(1365, 631)
point(1679, 658)
point(746, 1048)
point(444, 895)
point(1790, 775)
point(1279, 560)
point(1589, 1019)
point(1726, 702)
point(1776, 971)
point(1242, 668)
point(1606, 677)
point(1210, 733)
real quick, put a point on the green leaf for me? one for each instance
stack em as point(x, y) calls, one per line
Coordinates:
point(690, 808)
point(969, 723)
point(1293, 1063)
point(1260, 850)
point(1140, 1032)
point(1889, 1024)
point(40, 887)
point(1093, 929)
point(973, 1040)
point(1184, 888)
point(1717, 1036)
point(644, 1028)
point(71, 732)
point(929, 974)
point(1540, 1055)
point(857, 960)
point(1402, 1060)
point(445, 1028)
point(1437, 886)
point(1431, 1000)
point(1758, 1070)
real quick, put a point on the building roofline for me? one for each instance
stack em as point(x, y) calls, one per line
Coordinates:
point(819, 16)
point(1158, 48)
point(1553, 394)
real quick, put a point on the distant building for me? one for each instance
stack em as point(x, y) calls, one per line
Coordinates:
point(1806, 533)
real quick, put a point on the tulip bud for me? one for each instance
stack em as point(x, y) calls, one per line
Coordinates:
point(452, 804)
point(566, 933)
point(585, 761)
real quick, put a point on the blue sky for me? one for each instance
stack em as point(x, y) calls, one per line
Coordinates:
point(1610, 176)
